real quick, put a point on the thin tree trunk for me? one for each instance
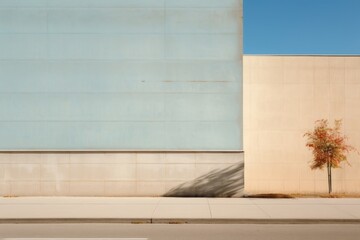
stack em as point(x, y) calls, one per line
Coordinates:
point(329, 177)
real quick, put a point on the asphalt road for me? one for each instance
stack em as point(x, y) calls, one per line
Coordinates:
point(174, 232)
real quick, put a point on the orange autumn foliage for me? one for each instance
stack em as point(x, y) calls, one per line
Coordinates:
point(328, 145)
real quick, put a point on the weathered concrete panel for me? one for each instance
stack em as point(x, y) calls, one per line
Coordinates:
point(121, 74)
point(129, 107)
point(83, 3)
point(105, 47)
point(204, 3)
point(112, 21)
point(23, 47)
point(67, 76)
point(23, 20)
point(199, 20)
point(204, 46)
point(129, 135)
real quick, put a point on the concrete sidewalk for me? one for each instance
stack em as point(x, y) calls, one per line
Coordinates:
point(177, 210)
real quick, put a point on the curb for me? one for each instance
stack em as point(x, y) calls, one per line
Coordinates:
point(172, 221)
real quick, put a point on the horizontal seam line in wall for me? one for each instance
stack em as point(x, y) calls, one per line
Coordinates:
point(121, 121)
point(131, 59)
point(82, 203)
point(159, 33)
point(132, 93)
point(102, 34)
point(102, 151)
point(100, 180)
point(103, 180)
point(122, 162)
point(162, 60)
point(166, 81)
point(127, 8)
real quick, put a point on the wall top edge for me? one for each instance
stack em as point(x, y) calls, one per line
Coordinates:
point(301, 55)
point(114, 151)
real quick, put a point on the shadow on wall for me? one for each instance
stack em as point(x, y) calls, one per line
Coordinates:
point(228, 182)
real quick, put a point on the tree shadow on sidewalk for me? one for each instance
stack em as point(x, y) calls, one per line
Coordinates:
point(228, 182)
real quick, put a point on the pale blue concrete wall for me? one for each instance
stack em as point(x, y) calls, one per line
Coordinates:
point(121, 74)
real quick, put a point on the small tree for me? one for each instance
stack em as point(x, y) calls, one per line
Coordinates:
point(328, 146)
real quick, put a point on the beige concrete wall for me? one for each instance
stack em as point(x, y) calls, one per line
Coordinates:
point(283, 96)
point(121, 174)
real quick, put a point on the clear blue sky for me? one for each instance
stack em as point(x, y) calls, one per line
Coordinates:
point(302, 26)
